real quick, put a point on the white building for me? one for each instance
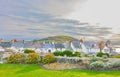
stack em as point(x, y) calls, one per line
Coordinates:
point(117, 49)
point(2, 49)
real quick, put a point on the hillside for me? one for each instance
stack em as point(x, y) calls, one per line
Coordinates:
point(56, 39)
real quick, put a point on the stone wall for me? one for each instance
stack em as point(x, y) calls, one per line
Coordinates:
point(71, 60)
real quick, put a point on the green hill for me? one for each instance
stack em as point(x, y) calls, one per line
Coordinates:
point(56, 39)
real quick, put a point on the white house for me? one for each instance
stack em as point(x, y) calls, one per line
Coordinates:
point(2, 49)
point(106, 49)
point(93, 48)
point(117, 49)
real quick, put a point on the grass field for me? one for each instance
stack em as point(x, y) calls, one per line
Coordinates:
point(19, 70)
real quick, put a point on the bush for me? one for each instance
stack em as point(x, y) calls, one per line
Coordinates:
point(29, 51)
point(102, 66)
point(76, 54)
point(107, 66)
point(49, 58)
point(107, 54)
point(115, 64)
point(58, 53)
point(67, 53)
point(101, 54)
point(98, 65)
point(99, 59)
point(95, 59)
point(117, 56)
point(33, 58)
point(16, 58)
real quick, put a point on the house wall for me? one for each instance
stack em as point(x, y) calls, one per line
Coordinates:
point(117, 50)
point(93, 50)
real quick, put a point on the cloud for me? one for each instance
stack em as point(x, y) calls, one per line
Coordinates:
point(54, 7)
point(105, 12)
point(31, 19)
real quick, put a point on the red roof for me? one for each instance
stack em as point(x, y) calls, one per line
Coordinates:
point(15, 40)
point(81, 40)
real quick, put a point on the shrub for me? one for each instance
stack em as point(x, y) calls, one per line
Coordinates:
point(98, 65)
point(115, 64)
point(49, 58)
point(86, 55)
point(67, 53)
point(105, 59)
point(107, 66)
point(76, 54)
point(117, 56)
point(29, 51)
point(95, 59)
point(16, 58)
point(33, 58)
point(58, 53)
point(101, 54)
point(107, 54)
point(99, 59)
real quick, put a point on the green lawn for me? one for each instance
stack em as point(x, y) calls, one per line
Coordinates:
point(17, 70)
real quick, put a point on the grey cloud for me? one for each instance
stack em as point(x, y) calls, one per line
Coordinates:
point(43, 18)
point(55, 7)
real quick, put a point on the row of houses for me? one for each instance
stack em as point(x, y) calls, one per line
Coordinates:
point(76, 45)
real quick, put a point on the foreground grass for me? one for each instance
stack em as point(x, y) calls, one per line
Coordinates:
point(19, 70)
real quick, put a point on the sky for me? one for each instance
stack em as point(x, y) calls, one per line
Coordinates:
point(35, 19)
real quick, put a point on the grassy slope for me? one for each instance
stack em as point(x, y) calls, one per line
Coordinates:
point(16, 70)
point(57, 39)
